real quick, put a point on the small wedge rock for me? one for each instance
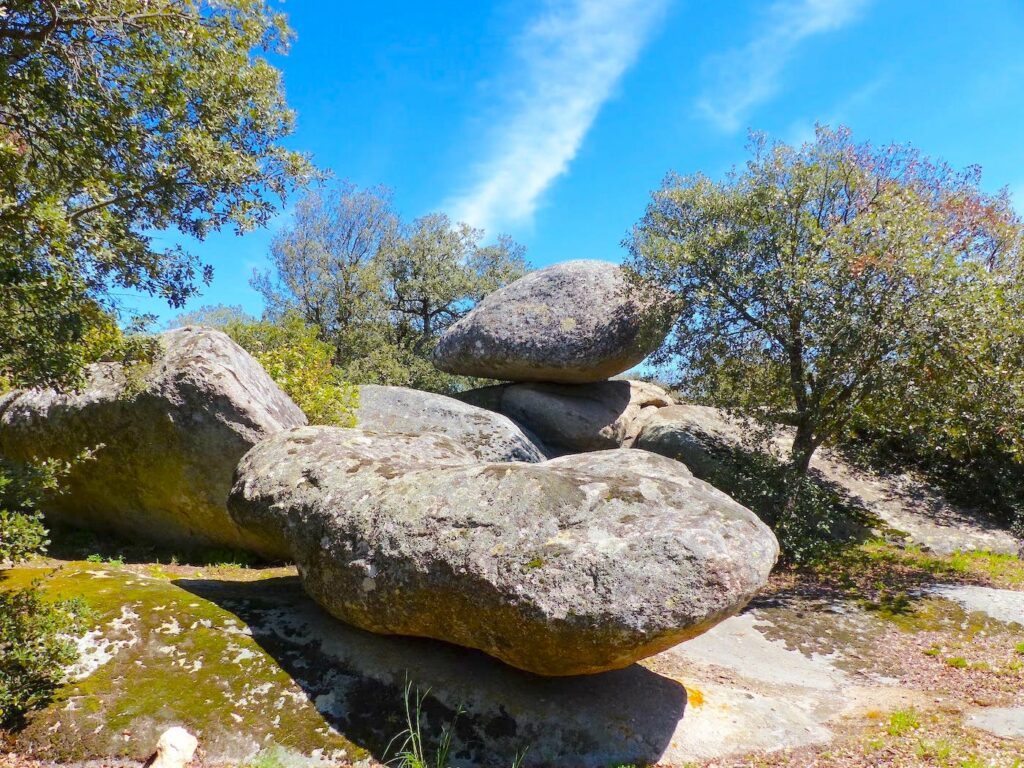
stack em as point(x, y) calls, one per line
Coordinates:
point(488, 436)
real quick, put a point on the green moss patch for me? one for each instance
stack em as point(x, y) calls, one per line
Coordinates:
point(159, 655)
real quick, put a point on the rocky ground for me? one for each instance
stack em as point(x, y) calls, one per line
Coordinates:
point(885, 656)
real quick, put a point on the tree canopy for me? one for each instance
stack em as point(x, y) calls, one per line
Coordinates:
point(380, 290)
point(120, 118)
point(821, 278)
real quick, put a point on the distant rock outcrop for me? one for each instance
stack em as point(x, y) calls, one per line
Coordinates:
point(165, 439)
point(574, 322)
point(487, 435)
point(572, 566)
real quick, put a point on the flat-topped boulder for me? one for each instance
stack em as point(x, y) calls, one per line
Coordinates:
point(572, 566)
point(487, 435)
point(165, 438)
point(574, 322)
point(573, 418)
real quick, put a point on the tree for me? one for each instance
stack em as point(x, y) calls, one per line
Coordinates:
point(820, 277)
point(119, 118)
point(325, 265)
point(437, 271)
point(380, 291)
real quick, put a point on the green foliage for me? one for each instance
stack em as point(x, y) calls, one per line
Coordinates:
point(903, 721)
point(118, 118)
point(812, 520)
point(35, 648)
point(381, 292)
point(22, 487)
point(300, 363)
point(822, 278)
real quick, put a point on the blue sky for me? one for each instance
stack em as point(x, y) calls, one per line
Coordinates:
point(553, 121)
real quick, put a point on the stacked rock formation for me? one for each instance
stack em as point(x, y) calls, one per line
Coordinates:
point(573, 565)
point(434, 517)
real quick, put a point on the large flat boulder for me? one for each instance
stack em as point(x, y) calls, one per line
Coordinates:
point(573, 418)
point(487, 435)
point(574, 322)
point(165, 439)
point(576, 565)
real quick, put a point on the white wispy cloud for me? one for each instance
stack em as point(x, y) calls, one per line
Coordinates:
point(569, 61)
point(745, 77)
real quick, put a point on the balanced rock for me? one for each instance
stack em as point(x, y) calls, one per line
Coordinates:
point(165, 438)
point(487, 435)
point(573, 418)
point(572, 566)
point(574, 322)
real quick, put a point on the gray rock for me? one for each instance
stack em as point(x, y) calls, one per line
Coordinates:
point(488, 436)
point(573, 418)
point(696, 435)
point(1004, 722)
point(165, 436)
point(574, 322)
point(573, 566)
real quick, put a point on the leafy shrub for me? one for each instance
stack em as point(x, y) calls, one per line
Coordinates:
point(21, 525)
point(811, 519)
point(36, 646)
point(35, 643)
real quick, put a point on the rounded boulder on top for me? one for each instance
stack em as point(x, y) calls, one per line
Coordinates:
point(574, 322)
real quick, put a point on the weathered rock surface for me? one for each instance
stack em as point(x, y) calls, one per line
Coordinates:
point(165, 436)
point(698, 436)
point(576, 565)
point(488, 436)
point(574, 418)
point(574, 322)
point(251, 665)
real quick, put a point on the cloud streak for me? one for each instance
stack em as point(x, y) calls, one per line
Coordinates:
point(570, 59)
point(745, 77)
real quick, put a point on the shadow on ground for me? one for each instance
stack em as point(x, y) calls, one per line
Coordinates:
point(356, 681)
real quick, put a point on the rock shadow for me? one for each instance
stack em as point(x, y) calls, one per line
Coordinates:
point(357, 680)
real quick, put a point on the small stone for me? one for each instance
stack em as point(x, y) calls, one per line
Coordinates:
point(174, 749)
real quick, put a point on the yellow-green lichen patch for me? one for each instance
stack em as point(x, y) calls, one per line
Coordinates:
point(160, 655)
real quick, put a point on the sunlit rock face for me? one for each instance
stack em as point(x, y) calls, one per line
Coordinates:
point(572, 566)
point(164, 439)
point(488, 436)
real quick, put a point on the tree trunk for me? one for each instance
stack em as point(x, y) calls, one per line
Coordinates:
point(804, 445)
